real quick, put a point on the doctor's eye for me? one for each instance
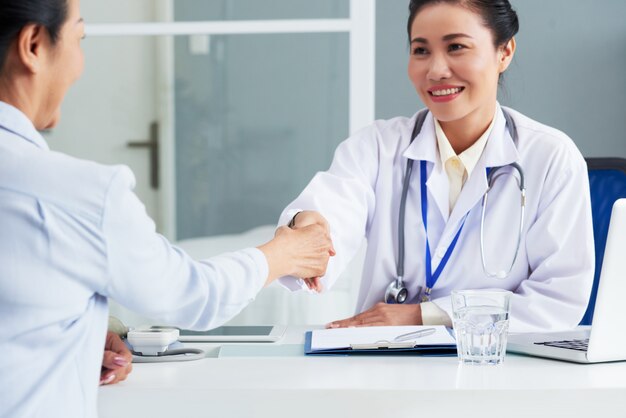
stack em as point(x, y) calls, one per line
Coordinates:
point(455, 47)
point(419, 51)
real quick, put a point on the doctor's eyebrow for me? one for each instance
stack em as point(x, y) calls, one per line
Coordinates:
point(454, 36)
point(446, 38)
point(81, 20)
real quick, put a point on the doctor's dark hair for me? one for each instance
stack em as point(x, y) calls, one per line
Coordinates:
point(498, 16)
point(16, 14)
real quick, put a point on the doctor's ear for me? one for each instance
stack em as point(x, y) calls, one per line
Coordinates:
point(505, 54)
point(33, 43)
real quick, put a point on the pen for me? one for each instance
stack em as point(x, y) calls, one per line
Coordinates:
point(415, 334)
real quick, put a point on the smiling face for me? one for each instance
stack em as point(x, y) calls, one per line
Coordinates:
point(454, 64)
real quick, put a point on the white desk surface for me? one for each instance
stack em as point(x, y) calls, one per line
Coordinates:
point(372, 386)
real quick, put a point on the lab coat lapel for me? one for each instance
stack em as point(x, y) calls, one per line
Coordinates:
point(439, 189)
point(500, 150)
point(424, 148)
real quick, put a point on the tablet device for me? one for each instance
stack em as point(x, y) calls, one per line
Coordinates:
point(247, 333)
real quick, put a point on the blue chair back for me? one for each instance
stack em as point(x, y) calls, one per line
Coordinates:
point(607, 181)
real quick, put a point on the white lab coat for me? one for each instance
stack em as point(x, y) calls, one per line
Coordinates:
point(360, 197)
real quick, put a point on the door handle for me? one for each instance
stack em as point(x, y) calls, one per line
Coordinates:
point(153, 146)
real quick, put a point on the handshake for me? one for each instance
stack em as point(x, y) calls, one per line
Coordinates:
point(301, 250)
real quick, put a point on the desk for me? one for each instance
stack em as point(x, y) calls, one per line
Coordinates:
point(347, 387)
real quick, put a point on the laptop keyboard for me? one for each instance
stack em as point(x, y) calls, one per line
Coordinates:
point(579, 345)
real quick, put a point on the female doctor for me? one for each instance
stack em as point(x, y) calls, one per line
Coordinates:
point(458, 51)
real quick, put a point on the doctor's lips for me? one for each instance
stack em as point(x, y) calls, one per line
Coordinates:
point(444, 93)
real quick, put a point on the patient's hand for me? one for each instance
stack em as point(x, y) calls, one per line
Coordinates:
point(301, 220)
point(301, 252)
point(116, 362)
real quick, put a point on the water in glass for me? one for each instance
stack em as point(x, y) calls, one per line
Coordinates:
point(481, 333)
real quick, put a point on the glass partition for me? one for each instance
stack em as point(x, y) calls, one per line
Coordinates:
point(256, 117)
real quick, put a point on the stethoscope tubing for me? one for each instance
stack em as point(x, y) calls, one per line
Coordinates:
point(419, 120)
point(490, 179)
point(401, 223)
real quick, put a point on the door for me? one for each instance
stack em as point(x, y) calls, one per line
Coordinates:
point(115, 101)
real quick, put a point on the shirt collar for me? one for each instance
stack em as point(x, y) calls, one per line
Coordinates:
point(469, 158)
point(443, 144)
point(498, 152)
point(16, 122)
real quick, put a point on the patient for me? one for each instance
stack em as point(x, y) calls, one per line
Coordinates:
point(74, 234)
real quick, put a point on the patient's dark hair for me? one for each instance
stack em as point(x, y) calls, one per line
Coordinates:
point(15, 14)
point(498, 16)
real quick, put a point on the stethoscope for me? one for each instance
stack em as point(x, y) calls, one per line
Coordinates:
point(396, 291)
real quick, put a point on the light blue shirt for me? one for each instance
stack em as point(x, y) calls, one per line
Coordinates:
point(73, 233)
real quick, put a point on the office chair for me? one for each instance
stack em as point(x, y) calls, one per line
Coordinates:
point(607, 181)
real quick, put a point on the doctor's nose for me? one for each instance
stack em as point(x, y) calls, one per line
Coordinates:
point(438, 69)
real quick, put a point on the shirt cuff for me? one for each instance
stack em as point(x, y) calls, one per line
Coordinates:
point(258, 258)
point(291, 283)
point(294, 284)
point(287, 216)
point(434, 315)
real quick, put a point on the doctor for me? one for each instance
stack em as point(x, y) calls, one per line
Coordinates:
point(458, 51)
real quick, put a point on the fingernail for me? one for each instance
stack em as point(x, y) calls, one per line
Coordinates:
point(331, 325)
point(120, 361)
point(107, 380)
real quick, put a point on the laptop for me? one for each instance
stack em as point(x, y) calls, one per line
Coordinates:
point(606, 339)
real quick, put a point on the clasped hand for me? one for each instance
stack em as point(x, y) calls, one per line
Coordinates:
point(307, 219)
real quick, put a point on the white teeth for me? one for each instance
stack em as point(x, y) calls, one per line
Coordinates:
point(446, 92)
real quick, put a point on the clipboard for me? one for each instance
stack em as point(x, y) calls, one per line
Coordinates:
point(385, 347)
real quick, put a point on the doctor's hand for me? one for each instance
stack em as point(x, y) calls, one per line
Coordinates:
point(302, 252)
point(309, 217)
point(301, 220)
point(383, 314)
point(116, 362)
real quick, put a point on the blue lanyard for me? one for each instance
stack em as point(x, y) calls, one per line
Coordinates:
point(431, 278)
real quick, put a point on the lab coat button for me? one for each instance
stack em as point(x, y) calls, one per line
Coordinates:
point(440, 252)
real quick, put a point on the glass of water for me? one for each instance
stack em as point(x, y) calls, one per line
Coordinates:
point(481, 324)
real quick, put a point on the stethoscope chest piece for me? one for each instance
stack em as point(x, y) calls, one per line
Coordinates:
point(396, 292)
